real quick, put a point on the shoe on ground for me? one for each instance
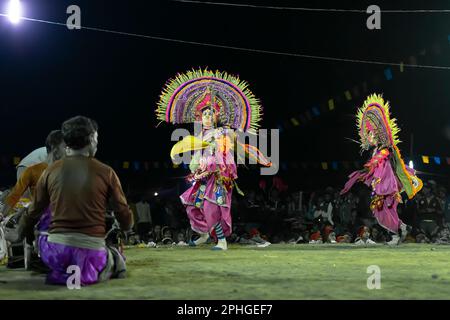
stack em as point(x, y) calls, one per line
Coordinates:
point(221, 245)
point(395, 240)
point(404, 231)
point(263, 245)
point(204, 237)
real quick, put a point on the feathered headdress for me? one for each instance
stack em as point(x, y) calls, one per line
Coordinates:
point(188, 93)
point(374, 117)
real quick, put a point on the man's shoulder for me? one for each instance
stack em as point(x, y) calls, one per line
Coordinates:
point(38, 166)
point(36, 156)
point(101, 166)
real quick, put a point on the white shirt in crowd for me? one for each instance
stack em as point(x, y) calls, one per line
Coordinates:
point(37, 156)
point(327, 215)
point(143, 212)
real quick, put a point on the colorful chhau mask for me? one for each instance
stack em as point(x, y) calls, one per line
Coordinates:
point(207, 102)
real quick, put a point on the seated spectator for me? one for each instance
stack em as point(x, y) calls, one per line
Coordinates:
point(422, 238)
point(315, 237)
point(180, 239)
point(378, 234)
point(364, 236)
point(26, 183)
point(345, 238)
point(78, 210)
point(167, 237)
point(328, 234)
point(155, 235)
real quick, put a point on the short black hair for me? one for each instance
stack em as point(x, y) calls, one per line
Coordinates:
point(54, 139)
point(77, 131)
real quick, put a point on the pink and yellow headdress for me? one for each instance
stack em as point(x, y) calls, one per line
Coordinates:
point(374, 117)
point(185, 95)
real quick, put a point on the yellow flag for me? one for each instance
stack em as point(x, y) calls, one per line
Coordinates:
point(324, 165)
point(426, 159)
point(295, 122)
point(348, 95)
point(126, 165)
point(331, 104)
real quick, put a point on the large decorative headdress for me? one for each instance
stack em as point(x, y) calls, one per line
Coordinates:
point(374, 118)
point(185, 96)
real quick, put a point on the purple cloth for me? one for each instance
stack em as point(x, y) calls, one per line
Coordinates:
point(59, 257)
point(381, 177)
point(388, 183)
point(354, 178)
point(44, 222)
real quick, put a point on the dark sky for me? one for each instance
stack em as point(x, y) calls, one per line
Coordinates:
point(49, 73)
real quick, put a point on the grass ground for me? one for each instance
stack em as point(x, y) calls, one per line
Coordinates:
point(409, 271)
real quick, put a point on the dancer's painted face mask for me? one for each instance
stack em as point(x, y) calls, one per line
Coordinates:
point(207, 119)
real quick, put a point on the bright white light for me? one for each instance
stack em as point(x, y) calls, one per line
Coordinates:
point(14, 11)
point(411, 164)
point(156, 194)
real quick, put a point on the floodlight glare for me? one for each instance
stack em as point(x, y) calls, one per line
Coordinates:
point(14, 11)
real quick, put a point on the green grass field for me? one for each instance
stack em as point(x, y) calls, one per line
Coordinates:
point(409, 271)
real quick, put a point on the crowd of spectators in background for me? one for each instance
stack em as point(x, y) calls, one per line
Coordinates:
point(279, 215)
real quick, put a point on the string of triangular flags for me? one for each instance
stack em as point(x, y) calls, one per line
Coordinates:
point(338, 165)
point(284, 165)
point(355, 91)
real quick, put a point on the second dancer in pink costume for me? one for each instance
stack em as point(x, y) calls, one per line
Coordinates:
point(385, 172)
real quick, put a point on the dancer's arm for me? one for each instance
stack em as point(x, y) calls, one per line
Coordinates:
point(193, 166)
point(16, 193)
point(41, 201)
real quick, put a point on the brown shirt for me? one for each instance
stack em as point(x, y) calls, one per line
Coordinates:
point(78, 189)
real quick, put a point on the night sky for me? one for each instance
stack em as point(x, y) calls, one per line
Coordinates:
point(49, 73)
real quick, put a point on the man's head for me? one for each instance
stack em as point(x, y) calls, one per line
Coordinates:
point(81, 132)
point(55, 145)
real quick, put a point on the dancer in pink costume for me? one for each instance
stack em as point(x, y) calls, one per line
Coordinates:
point(385, 172)
point(222, 104)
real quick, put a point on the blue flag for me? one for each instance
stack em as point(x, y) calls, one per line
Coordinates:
point(388, 73)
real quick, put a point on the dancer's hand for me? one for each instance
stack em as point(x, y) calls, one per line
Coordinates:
point(203, 164)
point(218, 132)
point(200, 175)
